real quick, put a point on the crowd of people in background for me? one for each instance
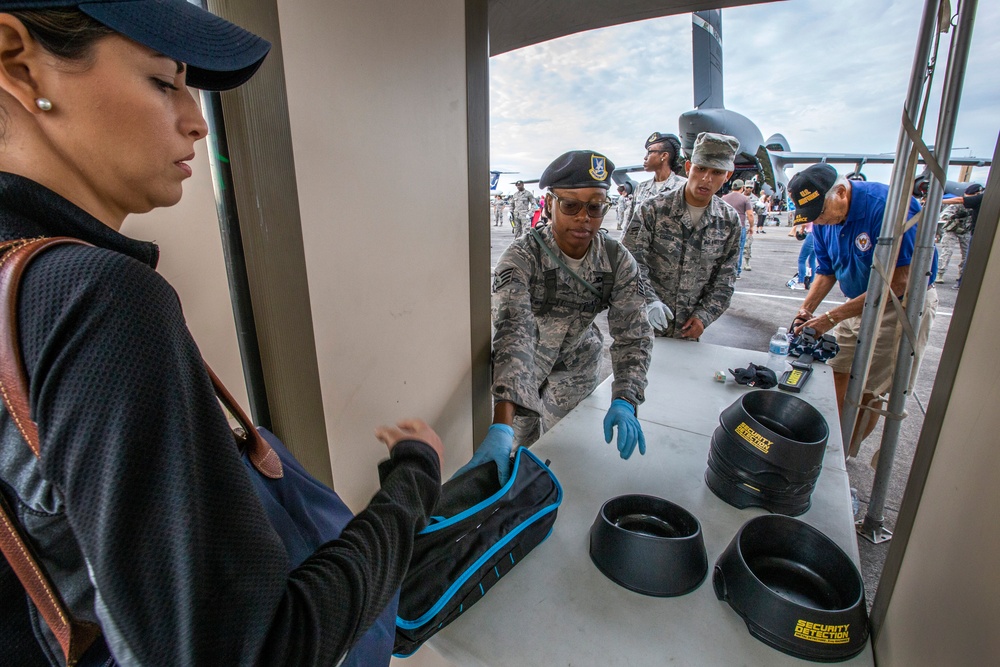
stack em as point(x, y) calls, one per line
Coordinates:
point(695, 209)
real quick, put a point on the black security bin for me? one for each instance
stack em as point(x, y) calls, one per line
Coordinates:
point(649, 545)
point(795, 588)
point(767, 452)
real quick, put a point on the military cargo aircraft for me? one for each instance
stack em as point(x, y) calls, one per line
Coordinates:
point(760, 160)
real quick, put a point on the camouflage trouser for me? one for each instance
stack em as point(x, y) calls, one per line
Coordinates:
point(521, 222)
point(950, 241)
point(561, 392)
point(746, 251)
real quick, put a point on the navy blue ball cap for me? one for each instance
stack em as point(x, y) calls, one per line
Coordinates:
point(808, 190)
point(219, 55)
point(578, 169)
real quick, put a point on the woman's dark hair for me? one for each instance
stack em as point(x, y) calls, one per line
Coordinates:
point(67, 33)
point(676, 159)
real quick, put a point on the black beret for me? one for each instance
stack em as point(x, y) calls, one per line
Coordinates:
point(578, 169)
point(660, 137)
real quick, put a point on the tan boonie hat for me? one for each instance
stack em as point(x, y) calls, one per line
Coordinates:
point(715, 151)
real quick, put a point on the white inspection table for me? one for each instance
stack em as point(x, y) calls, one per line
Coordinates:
point(556, 608)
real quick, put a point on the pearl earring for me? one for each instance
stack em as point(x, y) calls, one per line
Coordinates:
point(43, 103)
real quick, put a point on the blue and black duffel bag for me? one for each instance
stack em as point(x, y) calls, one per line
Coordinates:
point(480, 531)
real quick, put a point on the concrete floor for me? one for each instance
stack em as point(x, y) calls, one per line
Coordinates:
point(761, 304)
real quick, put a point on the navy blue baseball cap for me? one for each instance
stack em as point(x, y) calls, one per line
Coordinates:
point(808, 190)
point(219, 55)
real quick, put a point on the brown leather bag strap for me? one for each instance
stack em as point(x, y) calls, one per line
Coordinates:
point(258, 451)
point(74, 636)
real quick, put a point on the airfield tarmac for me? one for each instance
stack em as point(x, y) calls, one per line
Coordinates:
point(761, 304)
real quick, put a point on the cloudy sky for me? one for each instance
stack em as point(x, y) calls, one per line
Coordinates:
point(830, 76)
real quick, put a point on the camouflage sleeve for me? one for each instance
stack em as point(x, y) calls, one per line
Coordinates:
point(514, 331)
point(719, 290)
point(630, 331)
point(638, 239)
point(627, 212)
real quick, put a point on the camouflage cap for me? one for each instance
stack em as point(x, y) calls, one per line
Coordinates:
point(736, 185)
point(715, 151)
point(578, 169)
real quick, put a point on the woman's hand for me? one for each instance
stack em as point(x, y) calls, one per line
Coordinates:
point(410, 429)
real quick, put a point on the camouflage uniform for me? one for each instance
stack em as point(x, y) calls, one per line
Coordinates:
point(623, 206)
point(496, 211)
point(648, 190)
point(691, 268)
point(956, 232)
point(547, 364)
point(523, 205)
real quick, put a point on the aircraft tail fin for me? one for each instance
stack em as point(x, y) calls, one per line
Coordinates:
point(706, 51)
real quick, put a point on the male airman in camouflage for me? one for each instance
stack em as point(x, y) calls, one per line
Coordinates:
point(955, 227)
point(686, 242)
point(664, 160)
point(522, 205)
point(547, 348)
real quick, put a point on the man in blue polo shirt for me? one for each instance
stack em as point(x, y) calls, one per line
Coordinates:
point(847, 220)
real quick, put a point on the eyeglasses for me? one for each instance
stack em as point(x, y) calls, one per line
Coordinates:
point(650, 152)
point(595, 209)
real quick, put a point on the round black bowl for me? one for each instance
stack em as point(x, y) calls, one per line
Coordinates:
point(649, 545)
point(795, 588)
point(778, 427)
point(741, 491)
point(727, 448)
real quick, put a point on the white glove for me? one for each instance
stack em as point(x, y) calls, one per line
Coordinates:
point(659, 315)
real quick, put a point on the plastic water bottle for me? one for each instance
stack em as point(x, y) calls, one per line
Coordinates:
point(778, 351)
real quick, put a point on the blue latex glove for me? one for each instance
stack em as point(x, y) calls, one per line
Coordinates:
point(622, 414)
point(496, 446)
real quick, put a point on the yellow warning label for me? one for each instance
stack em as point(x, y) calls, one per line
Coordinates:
point(753, 437)
point(794, 377)
point(821, 633)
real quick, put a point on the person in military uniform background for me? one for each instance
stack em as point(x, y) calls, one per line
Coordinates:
point(496, 210)
point(664, 160)
point(955, 225)
point(686, 242)
point(548, 289)
point(624, 204)
point(522, 205)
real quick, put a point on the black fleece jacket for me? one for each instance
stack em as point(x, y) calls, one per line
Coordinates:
point(140, 503)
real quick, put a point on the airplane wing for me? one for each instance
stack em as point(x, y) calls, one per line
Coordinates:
point(621, 174)
point(789, 157)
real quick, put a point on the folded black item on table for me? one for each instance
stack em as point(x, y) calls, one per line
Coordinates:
point(755, 376)
point(807, 344)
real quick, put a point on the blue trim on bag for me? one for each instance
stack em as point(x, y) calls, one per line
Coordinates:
point(460, 581)
point(496, 496)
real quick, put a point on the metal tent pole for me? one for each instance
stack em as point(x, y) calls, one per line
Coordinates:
point(871, 527)
point(896, 207)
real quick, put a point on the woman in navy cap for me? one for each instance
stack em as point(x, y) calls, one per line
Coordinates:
point(548, 289)
point(137, 501)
